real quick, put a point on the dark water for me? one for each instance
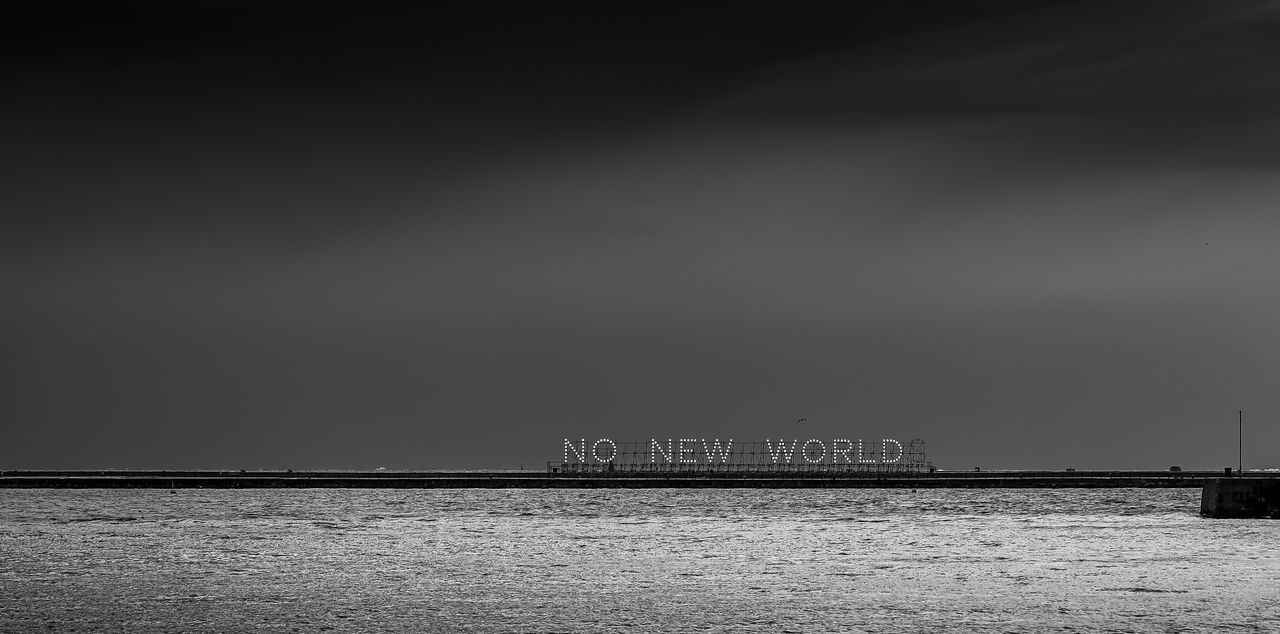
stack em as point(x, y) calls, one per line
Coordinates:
point(647, 560)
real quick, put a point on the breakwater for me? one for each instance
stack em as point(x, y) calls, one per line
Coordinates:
point(544, 480)
point(1241, 497)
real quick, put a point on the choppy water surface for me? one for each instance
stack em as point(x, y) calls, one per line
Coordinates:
point(649, 560)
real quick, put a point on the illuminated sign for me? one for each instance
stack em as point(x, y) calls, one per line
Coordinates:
point(708, 451)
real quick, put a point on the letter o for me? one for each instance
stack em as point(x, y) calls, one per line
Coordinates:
point(804, 450)
point(613, 454)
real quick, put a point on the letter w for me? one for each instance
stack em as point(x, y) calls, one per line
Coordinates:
point(777, 455)
point(713, 450)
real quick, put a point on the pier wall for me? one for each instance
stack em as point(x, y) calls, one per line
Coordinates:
point(543, 480)
point(1241, 497)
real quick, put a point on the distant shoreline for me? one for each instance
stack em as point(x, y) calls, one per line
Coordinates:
point(199, 479)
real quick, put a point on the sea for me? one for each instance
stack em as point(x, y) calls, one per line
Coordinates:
point(649, 560)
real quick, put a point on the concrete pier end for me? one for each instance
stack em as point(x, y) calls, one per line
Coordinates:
point(1241, 497)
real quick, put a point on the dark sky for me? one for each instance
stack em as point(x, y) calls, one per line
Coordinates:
point(318, 235)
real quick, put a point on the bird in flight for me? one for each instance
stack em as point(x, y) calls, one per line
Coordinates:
point(801, 420)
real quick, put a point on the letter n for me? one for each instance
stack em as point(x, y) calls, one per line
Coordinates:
point(655, 448)
point(580, 452)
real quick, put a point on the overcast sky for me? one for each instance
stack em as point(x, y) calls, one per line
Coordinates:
point(326, 236)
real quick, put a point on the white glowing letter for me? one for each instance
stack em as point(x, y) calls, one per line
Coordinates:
point(655, 447)
point(612, 455)
point(681, 451)
point(777, 454)
point(884, 444)
point(837, 451)
point(860, 458)
point(804, 450)
point(580, 452)
point(713, 450)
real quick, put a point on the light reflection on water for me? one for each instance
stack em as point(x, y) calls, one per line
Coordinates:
point(651, 560)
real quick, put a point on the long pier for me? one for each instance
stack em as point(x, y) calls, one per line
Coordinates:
point(544, 480)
